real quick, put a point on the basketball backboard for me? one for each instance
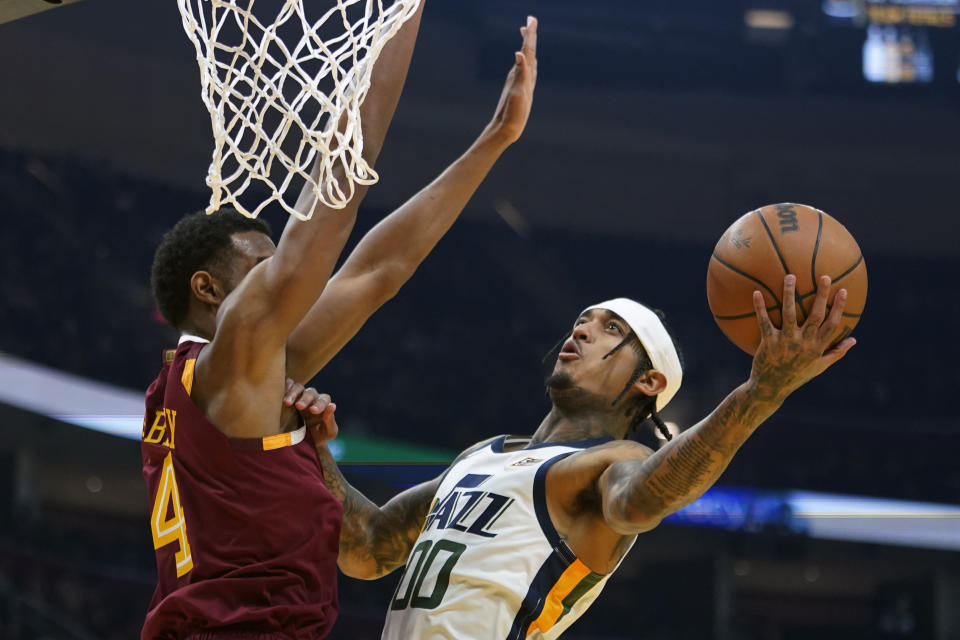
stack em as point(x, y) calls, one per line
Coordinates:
point(14, 9)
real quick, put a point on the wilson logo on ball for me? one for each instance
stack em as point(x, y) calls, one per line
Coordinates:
point(788, 219)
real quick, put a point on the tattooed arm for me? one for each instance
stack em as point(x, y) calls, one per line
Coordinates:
point(375, 540)
point(638, 494)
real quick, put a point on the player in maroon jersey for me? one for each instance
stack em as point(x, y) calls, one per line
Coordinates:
point(236, 547)
point(245, 530)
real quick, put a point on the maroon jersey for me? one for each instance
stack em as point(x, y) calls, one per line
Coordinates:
point(245, 529)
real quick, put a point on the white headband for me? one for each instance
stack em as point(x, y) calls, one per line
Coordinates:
point(654, 338)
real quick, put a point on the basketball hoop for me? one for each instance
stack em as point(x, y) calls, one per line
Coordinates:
point(276, 107)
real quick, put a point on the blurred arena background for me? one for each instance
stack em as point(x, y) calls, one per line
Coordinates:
point(655, 125)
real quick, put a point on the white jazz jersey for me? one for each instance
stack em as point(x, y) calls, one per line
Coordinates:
point(489, 563)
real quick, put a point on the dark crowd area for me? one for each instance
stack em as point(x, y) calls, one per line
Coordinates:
point(74, 576)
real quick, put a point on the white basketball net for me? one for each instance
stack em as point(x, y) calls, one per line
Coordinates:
point(263, 88)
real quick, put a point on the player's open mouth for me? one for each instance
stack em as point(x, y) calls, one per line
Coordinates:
point(570, 350)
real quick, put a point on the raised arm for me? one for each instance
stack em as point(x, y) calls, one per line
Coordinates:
point(309, 268)
point(240, 374)
point(638, 494)
point(388, 254)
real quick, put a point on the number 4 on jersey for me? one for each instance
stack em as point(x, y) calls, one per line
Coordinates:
point(167, 522)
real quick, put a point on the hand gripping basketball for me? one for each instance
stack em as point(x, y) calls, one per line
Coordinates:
point(791, 356)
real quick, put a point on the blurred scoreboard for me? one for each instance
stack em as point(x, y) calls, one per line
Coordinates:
point(901, 45)
point(916, 13)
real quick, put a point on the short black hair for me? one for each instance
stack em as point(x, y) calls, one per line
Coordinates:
point(198, 242)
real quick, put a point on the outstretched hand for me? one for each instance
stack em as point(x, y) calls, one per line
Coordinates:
point(513, 110)
point(791, 356)
point(316, 409)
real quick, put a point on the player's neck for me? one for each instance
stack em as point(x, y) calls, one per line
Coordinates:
point(559, 426)
point(191, 330)
point(200, 328)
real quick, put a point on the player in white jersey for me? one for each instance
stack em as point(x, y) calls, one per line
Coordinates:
point(522, 533)
point(489, 562)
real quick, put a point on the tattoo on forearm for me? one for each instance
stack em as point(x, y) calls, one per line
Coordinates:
point(372, 536)
point(684, 471)
point(398, 528)
point(332, 477)
point(686, 467)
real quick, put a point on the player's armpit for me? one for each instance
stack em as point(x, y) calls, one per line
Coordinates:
point(580, 485)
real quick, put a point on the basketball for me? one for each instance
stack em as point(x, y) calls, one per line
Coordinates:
point(760, 248)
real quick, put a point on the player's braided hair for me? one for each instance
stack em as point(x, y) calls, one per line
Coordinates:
point(197, 242)
point(644, 407)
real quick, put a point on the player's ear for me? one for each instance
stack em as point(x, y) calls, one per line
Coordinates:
point(206, 288)
point(651, 382)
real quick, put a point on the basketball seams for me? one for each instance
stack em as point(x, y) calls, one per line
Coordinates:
point(776, 247)
point(843, 275)
point(748, 276)
point(741, 316)
point(845, 314)
point(846, 331)
point(816, 252)
point(786, 270)
point(850, 270)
